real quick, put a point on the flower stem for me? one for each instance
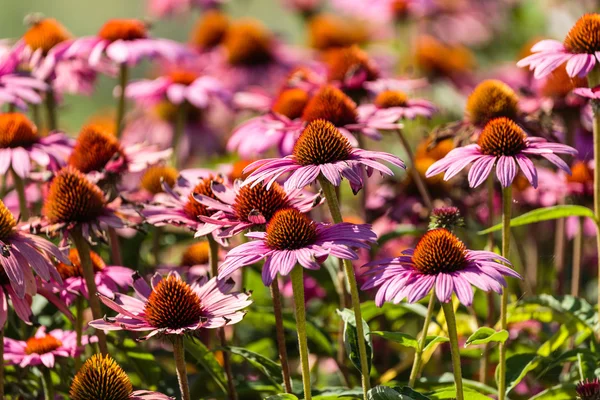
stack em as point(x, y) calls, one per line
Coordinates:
point(48, 385)
point(416, 368)
point(298, 288)
point(50, 102)
point(115, 246)
point(419, 181)
point(577, 249)
point(123, 77)
point(452, 334)
point(485, 360)
point(179, 355)
point(178, 132)
point(2, 362)
point(214, 270)
point(78, 328)
point(83, 249)
point(336, 214)
point(20, 189)
point(506, 213)
point(283, 357)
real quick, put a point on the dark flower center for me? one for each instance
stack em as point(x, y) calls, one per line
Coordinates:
point(248, 43)
point(259, 199)
point(75, 269)
point(73, 198)
point(154, 177)
point(321, 143)
point(391, 98)
point(94, 148)
point(588, 390)
point(16, 130)
point(100, 378)
point(42, 345)
point(183, 77)
point(45, 34)
point(584, 36)
point(502, 137)
point(210, 29)
point(291, 103)
point(348, 61)
point(439, 251)
point(173, 305)
point(7, 222)
point(332, 104)
point(194, 209)
point(196, 254)
point(490, 99)
point(123, 29)
point(289, 229)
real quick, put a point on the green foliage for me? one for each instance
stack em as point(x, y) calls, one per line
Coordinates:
point(351, 338)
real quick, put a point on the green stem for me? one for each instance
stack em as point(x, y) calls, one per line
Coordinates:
point(213, 255)
point(336, 214)
point(485, 360)
point(48, 385)
point(78, 328)
point(123, 77)
point(419, 181)
point(20, 189)
point(179, 355)
point(298, 288)
point(115, 246)
point(156, 244)
point(506, 213)
point(83, 249)
point(2, 363)
point(178, 133)
point(577, 249)
point(283, 357)
point(416, 368)
point(35, 115)
point(50, 102)
point(453, 335)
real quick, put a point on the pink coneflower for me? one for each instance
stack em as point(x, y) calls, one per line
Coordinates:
point(17, 88)
point(321, 149)
point(293, 238)
point(588, 389)
point(109, 278)
point(504, 144)
point(23, 252)
point(350, 67)
point(172, 307)
point(21, 146)
point(44, 348)
point(102, 378)
point(580, 50)
point(438, 260)
point(243, 207)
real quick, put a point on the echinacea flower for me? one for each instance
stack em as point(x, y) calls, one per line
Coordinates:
point(108, 278)
point(244, 207)
point(102, 378)
point(580, 50)
point(321, 149)
point(44, 348)
point(442, 60)
point(350, 67)
point(329, 31)
point(441, 261)
point(23, 252)
point(502, 144)
point(588, 389)
point(21, 146)
point(293, 238)
point(173, 307)
point(209, 31)
point(18, 89)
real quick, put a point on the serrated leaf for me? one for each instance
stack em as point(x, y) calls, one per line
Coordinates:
point(486, 335)
point(351, 338)
point(268, 367)
point(545, 214)
point(517, 366)
point(207, 360)
point(402, 339)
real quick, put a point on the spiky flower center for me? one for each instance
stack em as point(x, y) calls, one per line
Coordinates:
point(123, 29)
point(42, 345)
point(45, 34)
point(16, 130)
point(183, 77)
point(73, 198)
point(439, 58)
point(400, 8)
point(154, 177)
point(332, 104)
point(584, 36)
point(259, 199)
point(439, 251)
point(248, 42)
point(194, 209)
point(7, 222)
point(581, 173)
point(391, 98)
point(502, 137)
point(95, 147)
point(237, 170)
point(490, 99)
point(321, 143)
point(101, 378)
point(289, 229)
point(588, 390)
point(173, 305)
point(210, 29)
point(328, 31)
point(75, 269)
point(445, 217)
point(435, 150)
point(196, 254)
point(559, 84)
point(291, 103)
point(348, 61)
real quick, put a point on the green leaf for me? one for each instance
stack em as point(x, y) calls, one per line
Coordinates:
point(434, 341)
point(517, 366)
point(402, 339)
point(268, 367)
point(559, 392)
point(207, 360)
point(486, 335)
point(351, 338)
point(412, 394)
point(283, 396)
point(450, 393)
point(385, 393)
point(545, 214)
point(587, 358)
point(569, 306)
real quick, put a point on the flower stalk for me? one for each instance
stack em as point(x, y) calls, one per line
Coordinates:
point(48, 385)
point(50, 102)
point(283, 357)
point(123, 78)
point(577, 251)
point(78, 328)
point(2, 363)
point(179, 355)
point(178, 133)
point(20, 189)
point(298, 289)
point(453, 335)
point(419, 181)
point(506, 214)
point(418, 361)
point(593, 81)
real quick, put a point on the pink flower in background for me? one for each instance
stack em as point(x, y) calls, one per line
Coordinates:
point(18, 89)
point(44, 348)
point(172, 307)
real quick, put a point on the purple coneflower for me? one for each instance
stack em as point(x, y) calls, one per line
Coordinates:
point(441, 261)
point(588, 389)
point(16, 88)
point(503, 144)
